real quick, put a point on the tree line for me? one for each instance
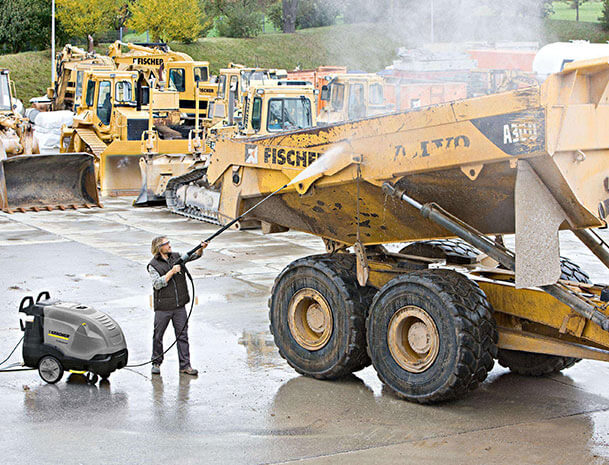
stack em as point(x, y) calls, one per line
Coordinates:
point(26, 24)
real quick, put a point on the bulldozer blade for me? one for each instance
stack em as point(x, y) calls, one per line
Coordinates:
point(120, 175)
point(48, 182)
point(147, 196)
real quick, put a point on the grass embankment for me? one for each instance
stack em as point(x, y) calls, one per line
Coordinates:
point(366, 47)
point(362, 46)
point(31, 72)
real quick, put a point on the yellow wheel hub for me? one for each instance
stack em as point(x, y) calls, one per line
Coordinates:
point(310, 319)
point(413, 339)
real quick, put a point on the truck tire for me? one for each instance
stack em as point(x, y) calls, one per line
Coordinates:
point(318, 316)
point(431, 335)
point(454, 251)
point(534, 364)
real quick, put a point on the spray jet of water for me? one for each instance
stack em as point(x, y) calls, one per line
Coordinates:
point(328, 161)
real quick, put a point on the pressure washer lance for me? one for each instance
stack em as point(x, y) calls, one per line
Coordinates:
point(185, 257)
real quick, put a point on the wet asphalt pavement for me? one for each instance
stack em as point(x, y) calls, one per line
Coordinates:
point(248, 406)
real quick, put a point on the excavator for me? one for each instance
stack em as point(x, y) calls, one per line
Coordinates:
point(36, 182)
point(174, 70)
point(451, 181)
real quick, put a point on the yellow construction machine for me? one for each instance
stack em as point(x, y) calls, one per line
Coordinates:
point(118, 120)
point(352, 96)
point(432, 317)
point(233, 87)
point(269, 106)
point(72, 62)
point(35, 182)
point(170, 70)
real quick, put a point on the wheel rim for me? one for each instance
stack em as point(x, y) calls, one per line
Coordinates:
point(310, 319)
point(413, 339)
point(49, 369)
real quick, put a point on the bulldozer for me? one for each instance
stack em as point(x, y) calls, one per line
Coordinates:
point(352, 96)
point(36, 182)
point(118, 120)
point(450, 181)
point(269, 106)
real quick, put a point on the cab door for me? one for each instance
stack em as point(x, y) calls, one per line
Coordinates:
point(103, 108)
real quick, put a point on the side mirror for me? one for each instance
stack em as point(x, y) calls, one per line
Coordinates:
point(325, 93)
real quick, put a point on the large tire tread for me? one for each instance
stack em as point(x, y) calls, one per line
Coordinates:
point(340, 269)
point(477, 333)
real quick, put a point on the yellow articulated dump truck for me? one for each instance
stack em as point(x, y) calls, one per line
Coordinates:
point(37, 182)
point(451, 179)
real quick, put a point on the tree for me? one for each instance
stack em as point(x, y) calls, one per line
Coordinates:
point(239, 18)
point(26, 25)
point(576, 4)
point(86, 17)
point(290, 8)
point(167, 20)
point(604, 17)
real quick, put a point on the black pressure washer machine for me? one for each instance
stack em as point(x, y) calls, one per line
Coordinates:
point(63, 336)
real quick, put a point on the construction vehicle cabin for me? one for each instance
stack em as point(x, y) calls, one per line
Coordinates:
point(352, 96)
point(177, 70)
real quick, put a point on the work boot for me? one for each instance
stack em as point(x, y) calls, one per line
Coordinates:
point(156, 369)
point(189, 371)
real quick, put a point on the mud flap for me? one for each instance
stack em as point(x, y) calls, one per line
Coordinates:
point(538, 217)
point(47, 182)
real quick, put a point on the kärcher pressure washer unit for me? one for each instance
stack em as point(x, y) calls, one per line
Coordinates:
point(62, 336)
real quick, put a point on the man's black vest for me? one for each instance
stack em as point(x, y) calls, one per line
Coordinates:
point(175, 294)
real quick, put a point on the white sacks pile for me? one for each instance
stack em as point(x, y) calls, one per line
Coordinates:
point(47, 129)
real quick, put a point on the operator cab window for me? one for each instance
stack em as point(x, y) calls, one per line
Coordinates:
point(104, 102)
point(376, 94)
point(177, 79)
point(357, 107)
point(5, 93)
point(337, 96)
point(201, 74)
point(289, 114)
point(78, 91)
point(123, 92)
point(90, 93)
point(222, 86)
point(256, 113)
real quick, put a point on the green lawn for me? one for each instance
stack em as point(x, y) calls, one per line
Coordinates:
point(369, 48)
point(588, 11)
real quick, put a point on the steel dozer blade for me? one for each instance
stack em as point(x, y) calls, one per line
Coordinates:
point(48, 182)
point(156, 171)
